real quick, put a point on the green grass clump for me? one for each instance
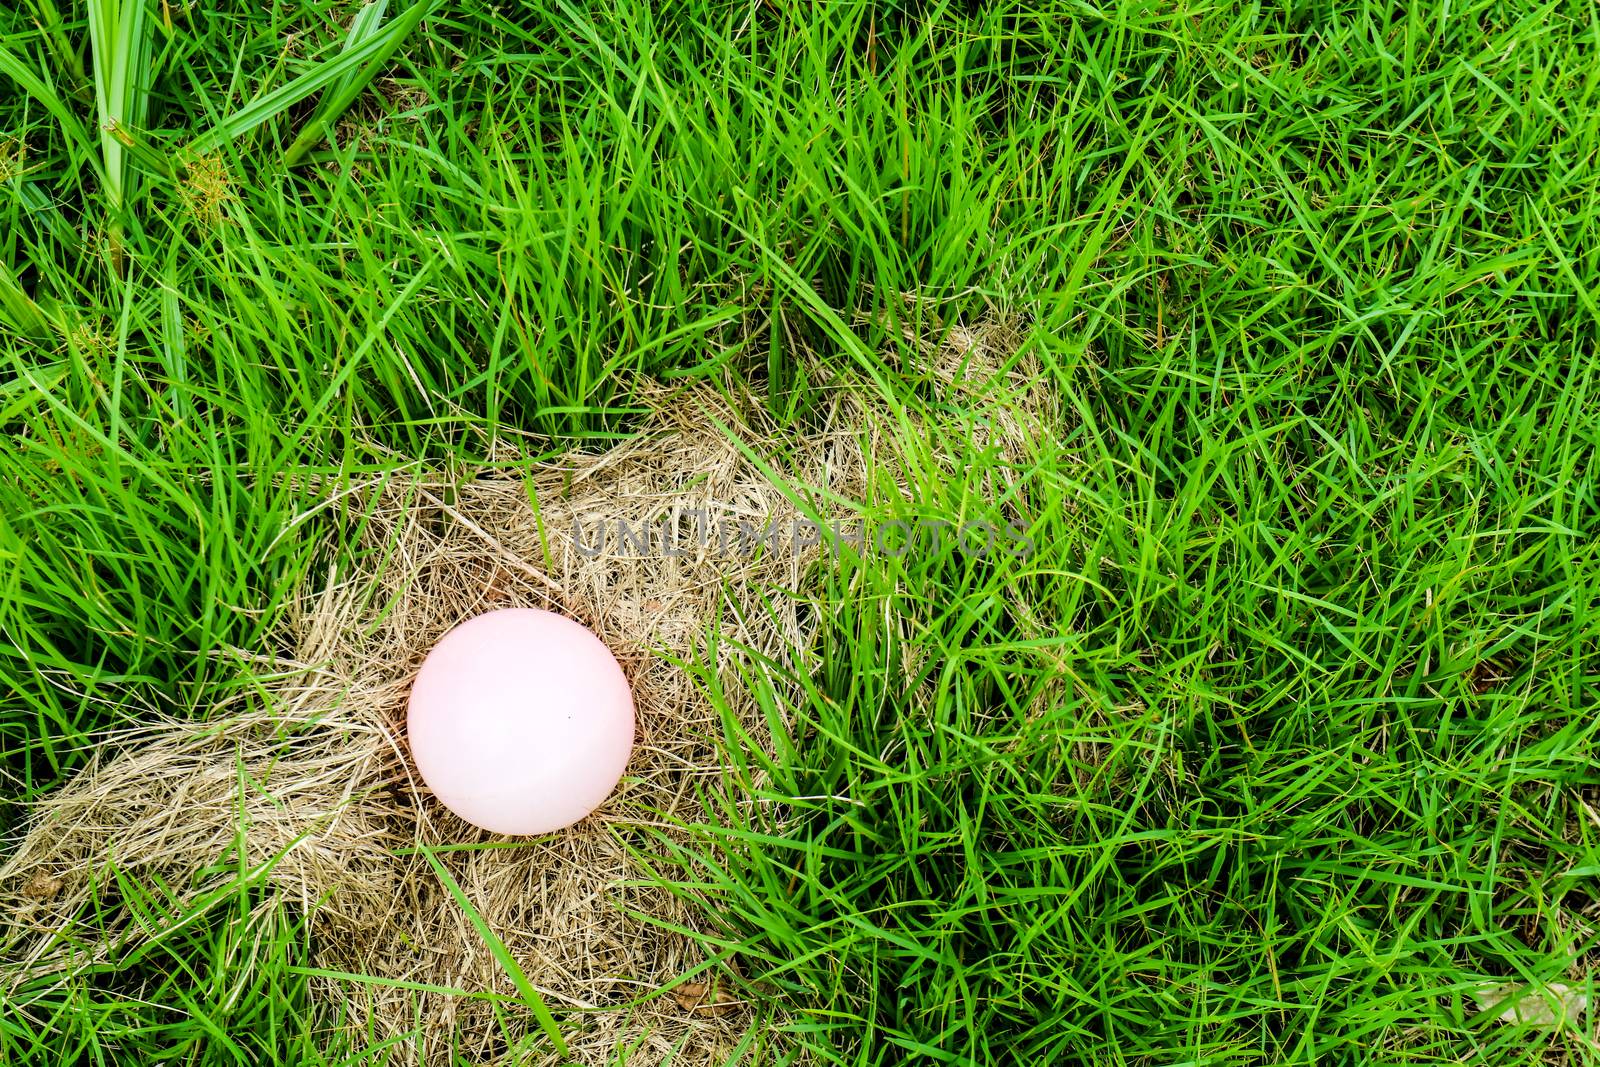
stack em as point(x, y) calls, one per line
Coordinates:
point(1295, 748)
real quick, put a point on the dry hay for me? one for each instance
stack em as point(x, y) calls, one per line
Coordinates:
point(309, 777)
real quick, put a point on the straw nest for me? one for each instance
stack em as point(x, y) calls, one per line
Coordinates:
point(306, 780)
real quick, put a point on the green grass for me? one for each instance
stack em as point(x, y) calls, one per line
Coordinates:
point(1302, 749)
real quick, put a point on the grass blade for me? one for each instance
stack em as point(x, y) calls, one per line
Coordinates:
point(18, 308)
point(67, 57)
point(364, 26)
point(339, 99)
point(502, 955)
point(120, 40)
point(372, 52)
point(32, 83)
point(139, 148)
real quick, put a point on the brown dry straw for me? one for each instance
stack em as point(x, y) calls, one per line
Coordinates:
point(309, 780)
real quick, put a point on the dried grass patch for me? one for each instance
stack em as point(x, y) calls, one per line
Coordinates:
point(310, 775)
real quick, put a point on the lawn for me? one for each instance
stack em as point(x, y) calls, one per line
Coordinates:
point(1275, 745)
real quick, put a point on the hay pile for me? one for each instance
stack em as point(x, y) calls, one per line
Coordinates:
point(311, 774)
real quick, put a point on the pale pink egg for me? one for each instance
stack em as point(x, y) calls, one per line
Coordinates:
point(521, 721)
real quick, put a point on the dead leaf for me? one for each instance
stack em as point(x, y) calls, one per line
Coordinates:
point(41, 887)
point(708, 998)
point(1553, 1006)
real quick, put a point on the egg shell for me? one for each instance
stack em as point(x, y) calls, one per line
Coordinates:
point(521, 721)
